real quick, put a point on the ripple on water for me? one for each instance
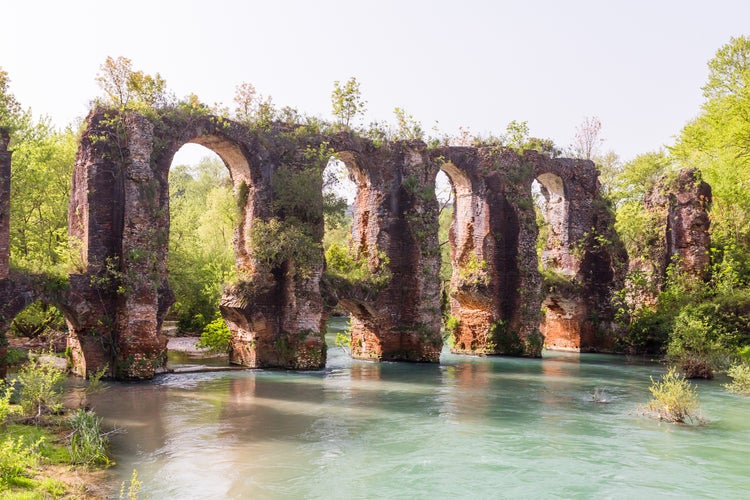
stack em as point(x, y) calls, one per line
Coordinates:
point(479, 427)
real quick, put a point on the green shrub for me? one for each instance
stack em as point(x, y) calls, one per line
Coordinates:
point(36, 320)
point(215, 336)
point(41, 388)
point(740, 375)
point(344, 338)
point(674, 398)
point(6, 391)
point(451, 325)
point(697, 344)
point(88, 445)
point(16, 356)
point(17, 459)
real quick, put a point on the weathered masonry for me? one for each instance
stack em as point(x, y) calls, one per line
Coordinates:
point(500, 302)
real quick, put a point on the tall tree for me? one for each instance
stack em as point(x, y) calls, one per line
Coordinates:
point(10, 109)
point(587, 140)
point(125, 87)
point(347, 101)
point(718, 142)
point(41, 172)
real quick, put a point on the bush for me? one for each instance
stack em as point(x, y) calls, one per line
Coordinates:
point(88, 445)
point(41, 388)
point(17, 458)
point(215, 336)
point(36, 320)
point(697, 344)
point(740, 375)
point(6, 391)
point(16, 357)
point(674, 398)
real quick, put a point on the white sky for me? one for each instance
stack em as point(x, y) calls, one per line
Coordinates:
point(638, 64)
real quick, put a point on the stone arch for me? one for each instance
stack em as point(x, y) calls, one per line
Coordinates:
point(21, 291)
point(579, 259)
point(556, 253)
point(395, 309)
point(461, 234)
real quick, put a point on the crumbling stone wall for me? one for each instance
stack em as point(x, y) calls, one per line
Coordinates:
point(395, 230)
point(119, 211)
point(497, 292)
point(583, 260)
point(494, 295)
point(678, 205)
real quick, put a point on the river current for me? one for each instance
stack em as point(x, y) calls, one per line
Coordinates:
point(565, 426)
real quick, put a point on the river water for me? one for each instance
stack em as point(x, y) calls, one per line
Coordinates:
point(467, 428)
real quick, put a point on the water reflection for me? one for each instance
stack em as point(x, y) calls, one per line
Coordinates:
point(484, 427)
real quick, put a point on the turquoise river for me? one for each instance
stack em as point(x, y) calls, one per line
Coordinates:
point(466, 428)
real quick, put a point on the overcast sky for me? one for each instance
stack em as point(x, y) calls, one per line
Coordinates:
point(638, 65)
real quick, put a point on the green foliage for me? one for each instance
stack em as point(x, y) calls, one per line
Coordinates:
point(344, 338)
point(347, 102)
point(18, 458)
point(129, 89)
point(6, 392)
point(474, 272)
point(36, 320)
point(88, 444)
point(215, 336)
point(407, 128)
point(452, 324)
point(693, 346)
point(16, 356)
point(740, 375)
point(558, 283)
point(342, 263)
point(674, 398)
point(718, 142)
point(276, 242)
point(41, 388)
point(42, 169)
point(444, 222)
point(134, 487)
point(10, 109)
point(203, 216)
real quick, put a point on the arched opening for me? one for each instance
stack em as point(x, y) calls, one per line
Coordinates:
point(561, 301)
point(469, 314)
point(38, 327)
point(343, 259)
point(203, 218)
point(446, 197)
point(550, 201)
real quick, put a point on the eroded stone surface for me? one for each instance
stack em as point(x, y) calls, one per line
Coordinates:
point(678, 206)
point(119, 210)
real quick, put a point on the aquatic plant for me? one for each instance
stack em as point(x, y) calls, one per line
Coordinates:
point(674, 398)
point(88, 444)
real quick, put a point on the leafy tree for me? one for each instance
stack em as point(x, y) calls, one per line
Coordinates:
point(407, 127)
point(203, 215)
point(347, 101)
point(10, 109)
point(245, 98)
point(41, 173)
point(126, 88)
point(517, 134)
point(718, 142)
point(634, 224)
